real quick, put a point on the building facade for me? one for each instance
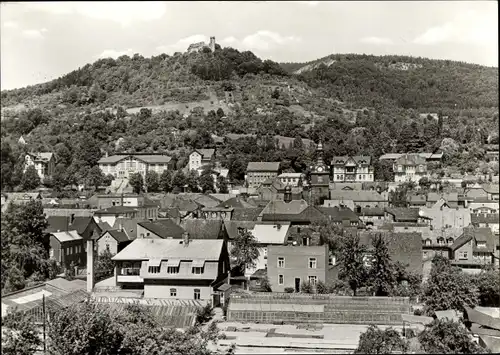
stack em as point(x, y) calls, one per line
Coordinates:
point(320, 177)
point(67, 248)
point(352, 169)
point(121, 166)
point(174, 269)
point(291, 266)
point(44, 163)
point(410, 167)
point(290, 179)
point(200, 158)
point(258, 172)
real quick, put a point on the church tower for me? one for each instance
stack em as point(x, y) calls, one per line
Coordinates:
point(212, 44)
point(320, 177)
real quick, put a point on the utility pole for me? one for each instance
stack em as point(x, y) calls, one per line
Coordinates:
point(44, 317)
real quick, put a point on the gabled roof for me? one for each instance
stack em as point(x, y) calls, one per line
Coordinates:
point(129, 226)
point(118, 235)
point(275, 233)
point(62, 223)
point(41, 156)
point(403, 247)
point(449, 197)
point(282, 207)
point(402, 214)
point(358, 159)
point(309, 214)
point(246, 214)
point(205, 153)
point(479, 235)
point(203, 228)
point(164, 228)
point(411, 160)
point(150, 159)
point(186, 205)
point(207, 200)
point(232, 227)
point(337, 214)
point(371, 211)
point(263, 166)
point(145, 249)
point(67, 236)
point(236, 202)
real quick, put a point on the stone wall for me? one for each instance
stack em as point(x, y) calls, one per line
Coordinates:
point(302, 308)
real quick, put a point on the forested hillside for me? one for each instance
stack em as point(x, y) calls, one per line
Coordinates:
point(356, 104)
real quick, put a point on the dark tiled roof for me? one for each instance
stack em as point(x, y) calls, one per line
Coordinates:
point(353, 195)
point(61, 223)
point(164, 228)
point(129, 226)
point(403, 247)
point(402, 214)
point(309, 214)
point(263, 166)
point(202, 228)
point(246, 214)
point(236, 202)
point(119, 236)
point(411, 160)
point(358, 159)
point(337, 214)
point(371, 211)
point(170, 212)
point(233, 226)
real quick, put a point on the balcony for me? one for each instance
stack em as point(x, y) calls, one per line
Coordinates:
point(129, 275)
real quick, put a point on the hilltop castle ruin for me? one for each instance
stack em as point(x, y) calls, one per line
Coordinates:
point(196, 47)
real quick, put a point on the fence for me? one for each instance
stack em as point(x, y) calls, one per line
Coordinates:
point(292, 308)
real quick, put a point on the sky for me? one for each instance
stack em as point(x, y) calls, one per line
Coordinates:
point(42, 41)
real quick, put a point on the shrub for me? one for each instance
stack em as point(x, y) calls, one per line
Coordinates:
point(289, 289)
point(307, 288)
point(321, 287)
point(204, 314)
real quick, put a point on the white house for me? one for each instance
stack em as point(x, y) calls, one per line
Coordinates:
point(200, 157)
point(44, 163)
point(290, 179)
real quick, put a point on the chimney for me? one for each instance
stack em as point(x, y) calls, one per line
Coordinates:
point(278, 226)
point(90, 265)
point(107, 154)
point(120, 225)
point(185, 238)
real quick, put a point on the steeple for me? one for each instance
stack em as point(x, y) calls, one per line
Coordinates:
point(319, 154)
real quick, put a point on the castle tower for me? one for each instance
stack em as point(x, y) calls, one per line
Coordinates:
point(212, 44)
point(320, 177)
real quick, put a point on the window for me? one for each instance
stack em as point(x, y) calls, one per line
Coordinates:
point(281, 279)
point(154, 269)
point(312, 263)
point(462, 255)
point(172, 270)
point(281, 262)
point(481, 244)
point(197, 294)
point(197, 270)
point(173, 292)
point(313, 280)
point(107, 246)
point(51, 253)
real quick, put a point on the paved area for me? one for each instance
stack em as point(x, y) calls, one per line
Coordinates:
point(251, 338)
point(109, 282)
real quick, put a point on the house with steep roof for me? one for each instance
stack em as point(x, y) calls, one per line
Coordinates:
point(486, 220)
point(183, 269)
point(200, 158)
point(474, 249)
point(44, 163)
point(159, 229)
point(113, 241)
point(450, 199)
point(403, 247)
point(352, 169)
point(204, 229)
point(409, 167)
point(121, 166)
point(258, 172)
point(86, 227)
point(403, 214)
point(67, 247)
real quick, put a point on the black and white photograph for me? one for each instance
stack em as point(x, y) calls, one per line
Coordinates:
point(249, 177)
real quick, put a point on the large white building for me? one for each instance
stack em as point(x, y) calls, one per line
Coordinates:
point(410, 167)
point(121, 166)
point(352, 169)
point(44, 163)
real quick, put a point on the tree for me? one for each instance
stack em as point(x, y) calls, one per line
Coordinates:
point(179, 180)
point(19, 334)
point(31, 179)
point(488, 284)
point(245, 249)
point(108, 180)
point(207, 181)
point(104, 266)
point(137, 182)
point(220, 112)
point(265, 285)
point(378, 341)
point(448, 288)
point(193, 180)
point(95, 177)
point(321, 287)
point(350, 258)
point(59, 180)
point(7, 165)
point(448, 337)
point(222, 185)
point(152, 183)
point(166, 181)
point(381, 271)
point(424, 183)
